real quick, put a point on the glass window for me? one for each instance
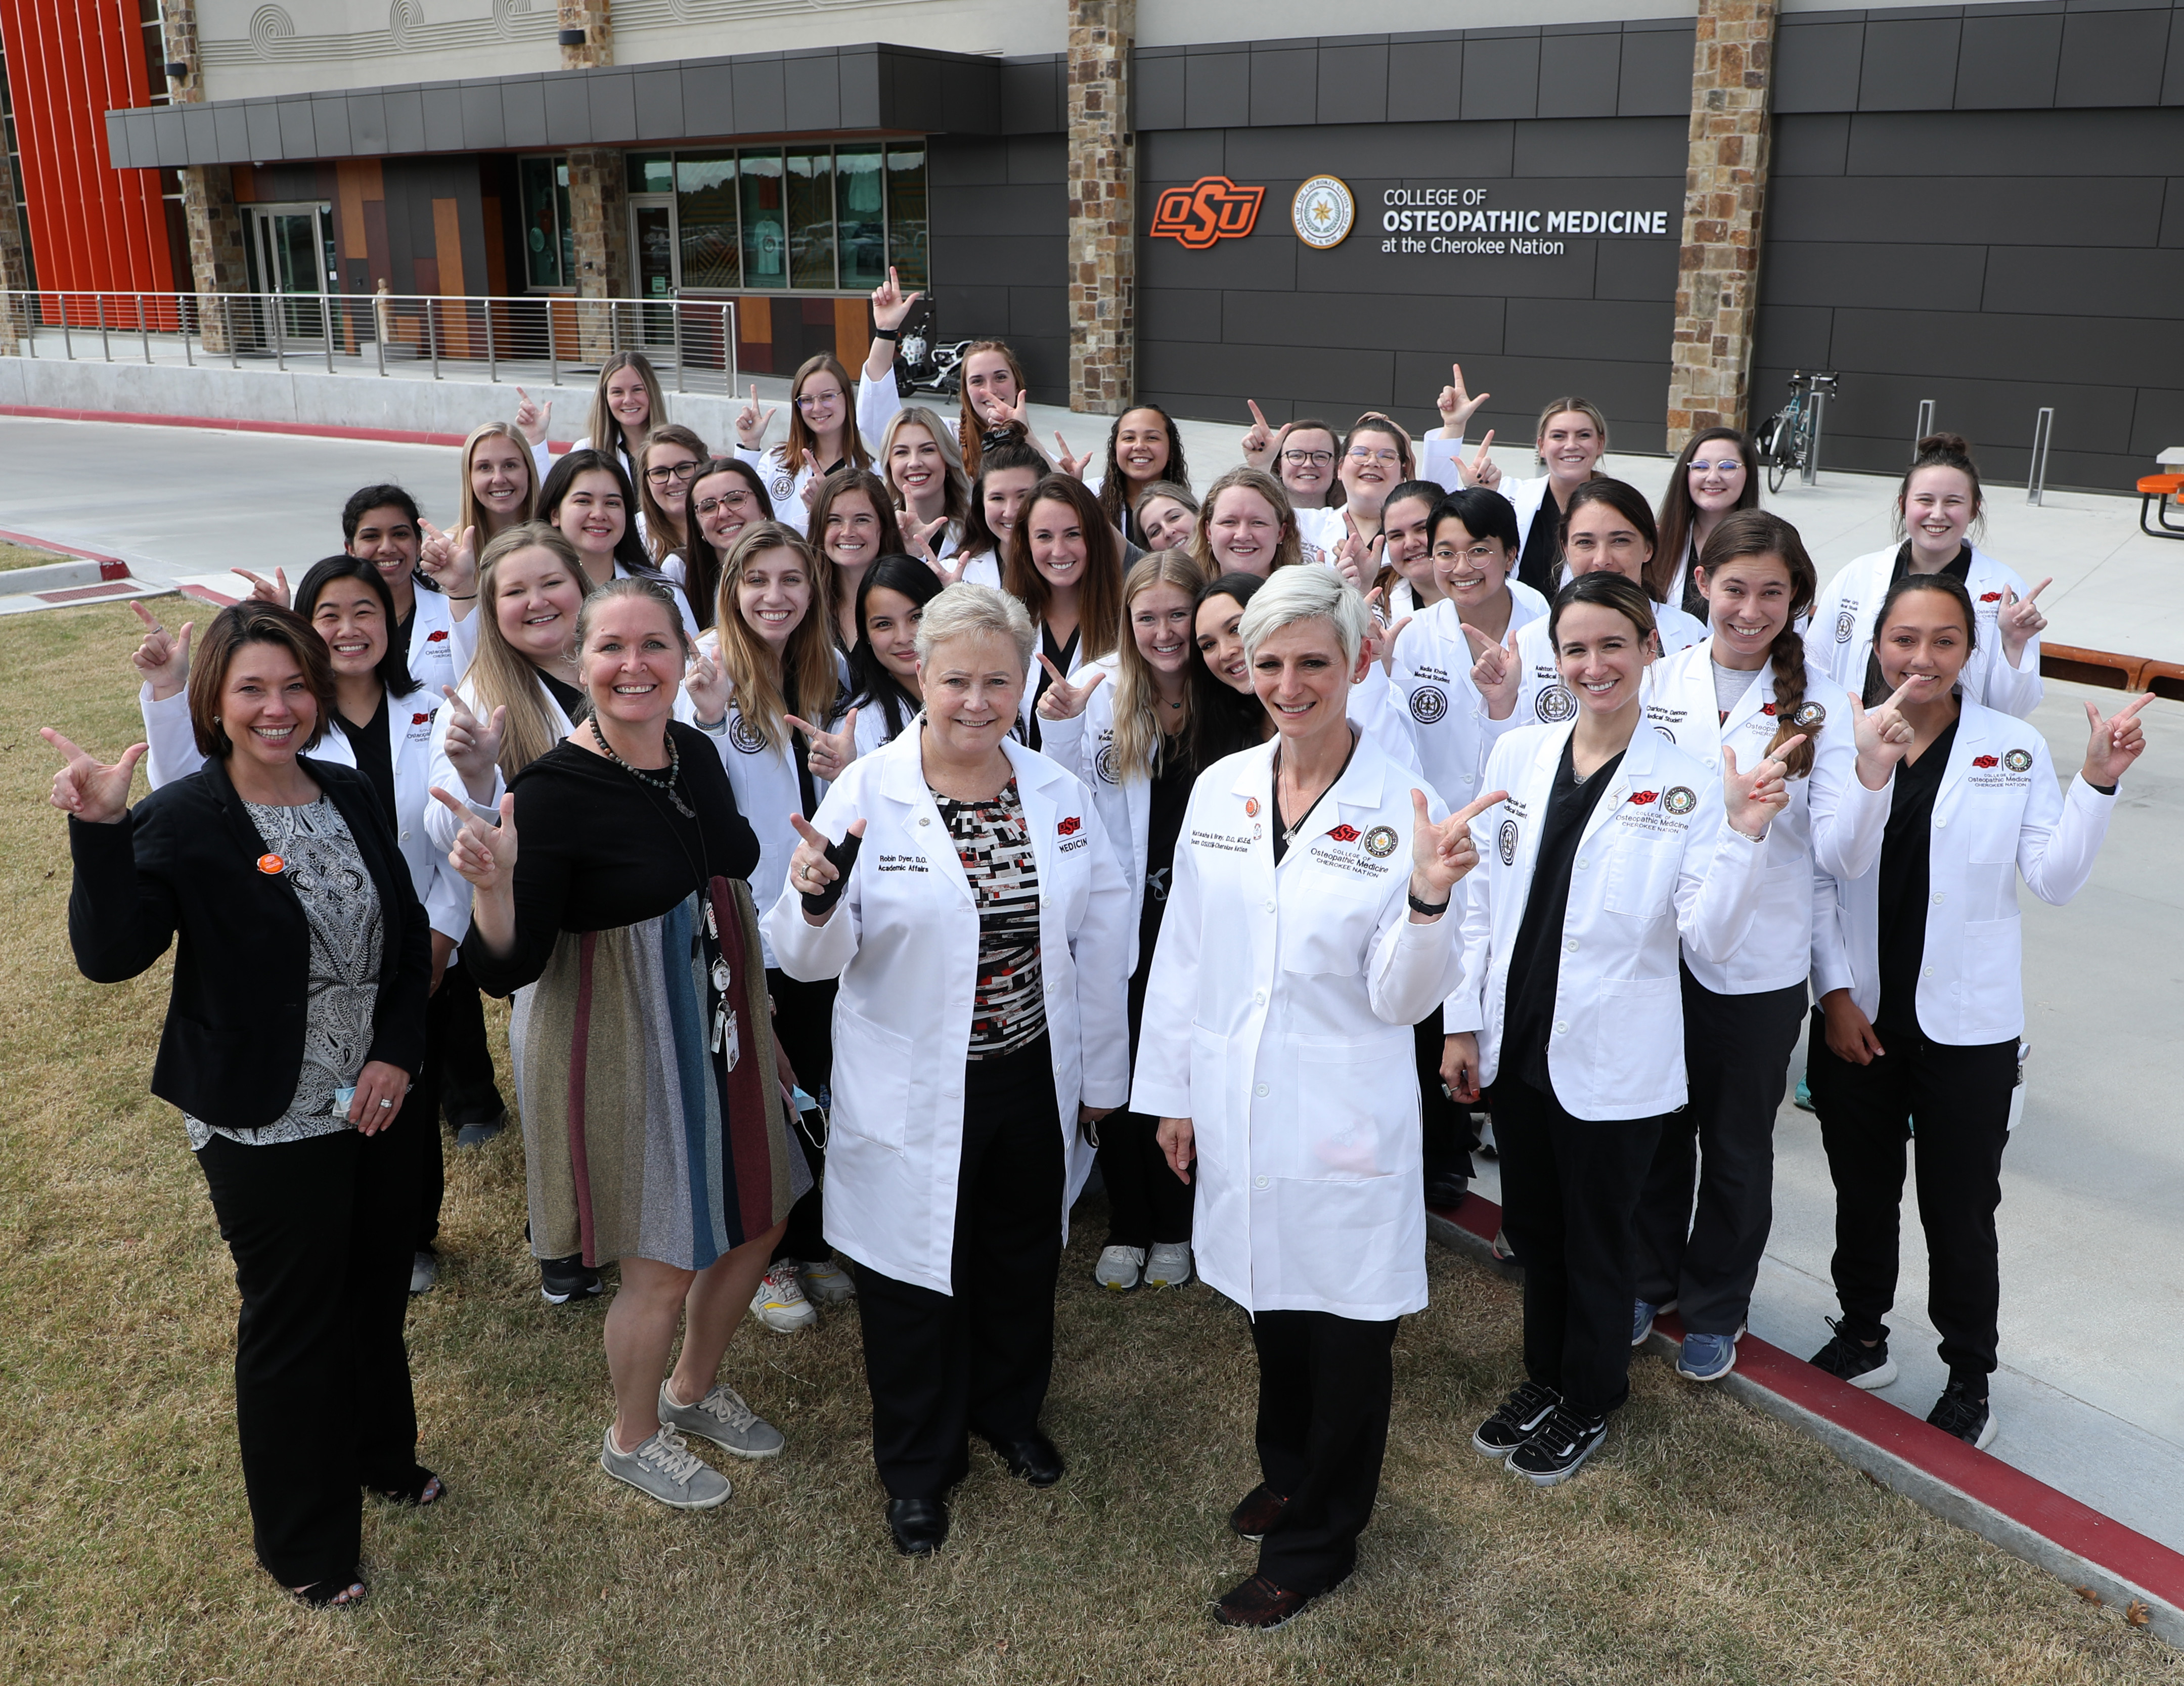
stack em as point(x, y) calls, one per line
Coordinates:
point(766, 232)
point(905, 216)
point(547, 256)
point(860, 216)
point(810, 179)
point(651, 173)
point(705, 217)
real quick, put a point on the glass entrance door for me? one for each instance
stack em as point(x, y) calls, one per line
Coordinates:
point(290, 249)
point(654, 252)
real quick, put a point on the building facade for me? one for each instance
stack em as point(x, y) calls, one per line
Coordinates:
point(1665, 207)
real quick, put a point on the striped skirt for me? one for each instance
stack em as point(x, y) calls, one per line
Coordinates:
point(640, 1135)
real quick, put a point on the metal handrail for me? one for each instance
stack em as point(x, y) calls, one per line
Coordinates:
point(508, 337)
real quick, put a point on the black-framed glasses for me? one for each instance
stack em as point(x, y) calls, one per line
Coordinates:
point(664, 472)
point(1315, 458)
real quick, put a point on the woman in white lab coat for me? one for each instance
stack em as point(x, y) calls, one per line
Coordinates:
point(1937, 506)
point(1716, 473)
point(1918, 967)
point(1308, 928)
point(1613, 844)
point(963, 890)
point(1571, 440)
point(1748, 686)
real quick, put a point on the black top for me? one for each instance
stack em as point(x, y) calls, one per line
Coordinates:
point(599, 848)
point(1062, 655)
point(570, 697)
point(1906, 860)
point(183, 867)
point(1535, 958)
point(1171, 796)
point(1277, 832)
point(1958, 567)
point(1543, 547)
point(375, 755)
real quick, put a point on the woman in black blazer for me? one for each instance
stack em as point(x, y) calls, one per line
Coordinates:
point(296, 1022)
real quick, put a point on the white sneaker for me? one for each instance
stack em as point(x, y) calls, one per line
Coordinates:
point(722, 1417)
point(779, 1303)
point(666, 1469)
point(826, 1282)
point(1168, 1264)
point(1119, 1267)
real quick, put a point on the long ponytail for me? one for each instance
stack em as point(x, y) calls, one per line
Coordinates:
point(1759, 532)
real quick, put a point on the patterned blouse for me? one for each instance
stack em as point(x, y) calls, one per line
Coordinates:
point(1008, 1012)
point(341, 907)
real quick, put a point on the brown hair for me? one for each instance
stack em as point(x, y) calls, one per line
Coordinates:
point(802, 438)
point(1626, 500)
point(836, 487)
point(1014, 452)
point(469, 513)
point(1374, 422)
point(1584, 407)
point(606, 432)
point(1678, 513)
point(1941, 450)
point(660, 540)
point(806, 682)
point(1289, 548)
point(500, 675)
point(970, 426)
point(1312, 423)
point(1604, 589)
point(1115, 487)
point(1099, 598)
point(659, 592)
point(701, 563)
point(254, 623)
point(1756, 533)
point(1138, 730)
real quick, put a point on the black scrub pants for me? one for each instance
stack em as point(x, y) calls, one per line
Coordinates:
point(1448, 1129)
point(804, 1027)
point(1326, 1384)
point(1569, 1188)
point(1146, 1201)
point(1960, 1099)
point(1736, 1054)
point(942, 1366)
point(457, 1080)
point(320, 1230)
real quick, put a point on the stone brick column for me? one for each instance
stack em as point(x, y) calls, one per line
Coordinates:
point(596, 19)
point(598, 225)
point(208, 212)
point(1725, 192)
point(15, 271)
point(1103, 198)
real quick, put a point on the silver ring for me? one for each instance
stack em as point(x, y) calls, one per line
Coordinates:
point(384, 1104)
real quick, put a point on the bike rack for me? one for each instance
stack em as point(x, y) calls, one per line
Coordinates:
point(2035, 478)
point(1810, 474)
point(1925, 424)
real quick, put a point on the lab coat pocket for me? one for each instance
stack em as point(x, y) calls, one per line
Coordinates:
point(1994, 957)
point(1327, 924)
point(1642, 872)
point(1339, 1240)
point(1356, 1111)
point(1631, 1013)
point(871, 1080)
point(1991, 828)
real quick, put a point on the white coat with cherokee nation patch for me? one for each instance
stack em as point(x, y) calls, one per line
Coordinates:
point(1277, 1019)
point(1841, 636)
point(904, 941)
point(1657, 870)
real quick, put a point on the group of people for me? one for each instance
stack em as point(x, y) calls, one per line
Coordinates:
point(878, 830)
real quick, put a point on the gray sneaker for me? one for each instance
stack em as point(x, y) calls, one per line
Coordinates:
point(424, 1271)
point(666, 1469)
point(1119, 1268)
point(1168, 1264)
point(722, 1417)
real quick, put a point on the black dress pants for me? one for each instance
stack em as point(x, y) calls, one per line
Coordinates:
point(321, 1231)
point(1146, 1201)
point(1737, 1053)
point(1959, 1098)
point(1326, 1384)
point(1569, 1186)
point(941, 1366)
point(1449, 1133)
point(457, 1080)
point(804, 1027)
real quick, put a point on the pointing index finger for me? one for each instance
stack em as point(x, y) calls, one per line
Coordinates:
point(1471, 810)
point(2033, 595)
point(1253, 407)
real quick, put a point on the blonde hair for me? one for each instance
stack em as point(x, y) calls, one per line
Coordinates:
point(957, 485)
point(1584, 407)
point(660, 540)
point(607, 434)
point(1289, 550)
point(803, 680)
point(501, 675)
point(469, 512)
point(1138, 734)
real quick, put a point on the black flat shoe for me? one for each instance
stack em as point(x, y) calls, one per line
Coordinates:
point(1258, 1511)
point(1033, 1459)
point(919, 1526)
point(1445, 1192)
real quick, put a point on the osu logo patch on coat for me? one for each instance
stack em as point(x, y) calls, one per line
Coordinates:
point(420, 719)
point(438, 637)
point(1986, 761)
point(1990, 596)
point(1641, 798)
point(1343, 834)
point(1070, 826)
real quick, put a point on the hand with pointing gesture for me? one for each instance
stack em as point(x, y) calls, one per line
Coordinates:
point(997, 411)
point(274, 591)
point(810, 869)
point(1442, 852)
point(1258, 439)
point(1378, 643)
point(2021, 620)
point(1353, 557)
point(484, 854)
point(1496, 672)
point(1480, 470)
point(917, 538)
point(707, 688)
point(473, 744)
point(1062, 700)
point(1751, 800)
point(813, 480)
point(831, 751)
point(164, 658)
point(751, 423)
point(450, 562)
point(94, 792)
point(530, 422)
point(2117, 742)
point(1883, 736)
point(1073, 466)
point(1456, 405)
point(890, 307)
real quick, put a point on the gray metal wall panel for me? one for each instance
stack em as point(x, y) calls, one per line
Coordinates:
point(444, 117)
point(1656, 79)
point(1353, 84)
point(200, 135)
point(1909, 64)
point(485, 127)
point(1000, 244)
point(2172, 214)
point(613, 102)
point(1500, 76)
point(1031, 99)
point(1218, 89)
point(2172, 80)
point(2009, 61)
point(1159, 90)
point(659, 104)
point(405, 120)
point(119, 145)
point(2040, 280)
point(1816, 66)
point(1814, 145)
point(568, 111)
point(1284, 85)
point(1983, 144)
point(329, 126)
point(1604, 146)
point(1425, 81)
point(1040, 159)
point(523, 113)
point(367, 124)
point(857, 78)
point(2112, 59)
point(709, 101)
point(1580, 75)
point(813, 85)
point(761, 106)
point(1828, 273)
point(1175, 156)
point(299, 136)
point(233, 125)
point(2075, 211)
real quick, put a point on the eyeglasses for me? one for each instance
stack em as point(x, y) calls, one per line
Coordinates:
point(1477, 552)
point(667, 472)
point(1358, 453)
point(732, 500)
point(1315, 458)
point(813, 400)
point(1726, 465)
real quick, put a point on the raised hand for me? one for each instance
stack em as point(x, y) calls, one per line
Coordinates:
point(1378, 643)
point(1258, 439)
point(1062, 700)
point(751, 422)
point(1496, 672)
point(2021, 620)
point(1883, 736)
point(812, 480)
point(1442, 852)
point(917, 538)
point(1457, 405)
point(707, 688)
point(262, 590)
point(1071, 465)
point(474, 745)
point(1480, 470)
point(92, 791)
point(1353, 556)
point(531, 421)
point(2117, 742)
point(996, 411)
point(831, 751)
point(164, 658)
point(1751, 799)
point(449, 561)
point(810, 871)
point(890, 307)
point(484, 854)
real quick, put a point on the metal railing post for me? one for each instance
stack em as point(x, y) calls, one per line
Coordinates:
point(1925, 423)
point(1811, 470)
point(676, 305)
point(552, 353)
point(433, 337)
point(67, 334)
point(280, 336)
point(182, 322)
point(143, 325)
point(492, 363)
point(326, 303)
point(105, 343)
point(227, 317)
point(2036, 479)
point(729, 347)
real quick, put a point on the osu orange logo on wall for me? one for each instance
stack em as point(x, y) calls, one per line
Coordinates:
point(1212, 208)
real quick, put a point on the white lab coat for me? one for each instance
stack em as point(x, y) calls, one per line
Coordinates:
point(1832, 818)
point(1843, 638)
point(440, 646)
point(1277, 1019)
point(1998, 816)
point(1542, 698)
point(1447, 715)
point(768, 791)
point(1437, 458)
point(904, 940)
point(876, 404)
point(440, 825)
point(172, 752)
point(1655, 862)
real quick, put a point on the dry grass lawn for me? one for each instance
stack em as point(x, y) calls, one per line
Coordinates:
point(22, 556)
point(1705, 1543)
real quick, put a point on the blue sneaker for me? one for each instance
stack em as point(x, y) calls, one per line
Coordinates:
point(1803, 1100)
point(1642, 1314)
point(1706, 1358)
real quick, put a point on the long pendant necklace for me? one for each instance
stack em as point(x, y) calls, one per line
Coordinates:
point(667, 784)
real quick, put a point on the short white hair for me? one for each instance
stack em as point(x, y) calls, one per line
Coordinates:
point(964, 610)
point(1307, 592)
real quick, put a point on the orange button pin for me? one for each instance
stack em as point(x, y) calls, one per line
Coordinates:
point(271, 864)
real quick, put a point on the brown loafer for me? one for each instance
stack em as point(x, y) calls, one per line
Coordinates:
point(1259, 1604)
point(1260, 1508)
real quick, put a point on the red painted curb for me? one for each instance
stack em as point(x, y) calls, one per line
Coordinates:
point(384, 436)
point(109, 567)
point(1984, 1479)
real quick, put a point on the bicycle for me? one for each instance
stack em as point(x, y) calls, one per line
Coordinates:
point(1786, 441)
point(921, 364)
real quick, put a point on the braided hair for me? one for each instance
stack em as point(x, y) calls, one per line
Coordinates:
point(1759, 532)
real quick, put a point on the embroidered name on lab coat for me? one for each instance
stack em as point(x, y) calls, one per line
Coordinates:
point(903, 863)
point(1224, 843)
